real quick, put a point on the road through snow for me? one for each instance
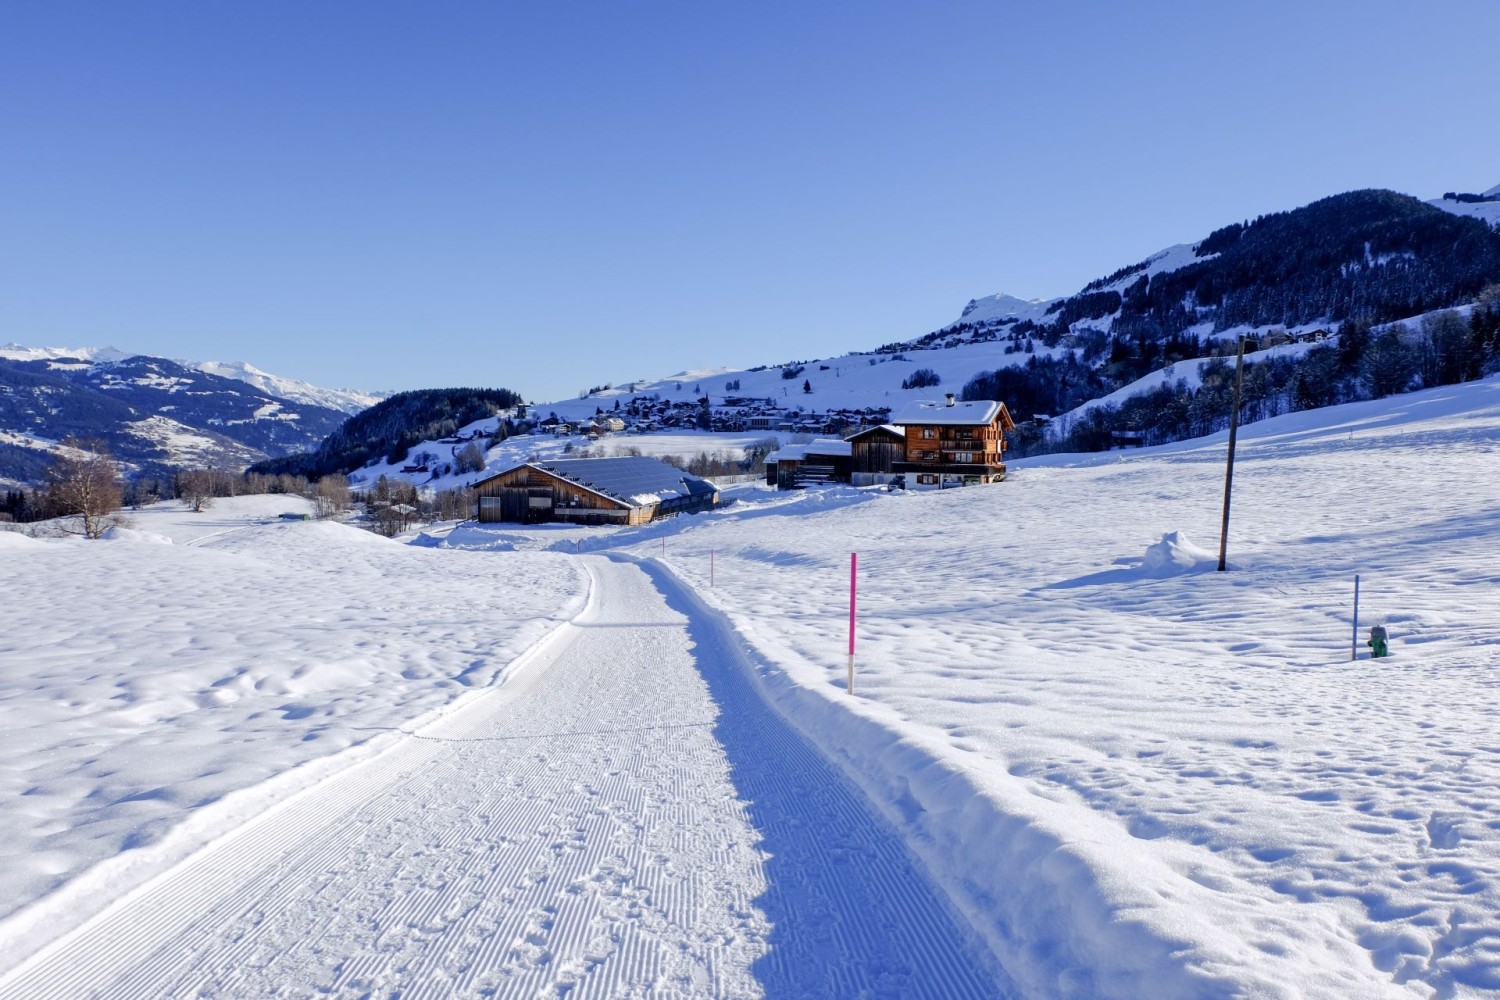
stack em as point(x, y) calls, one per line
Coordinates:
point(625, 817)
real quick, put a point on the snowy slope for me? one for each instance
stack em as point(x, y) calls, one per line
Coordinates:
point(1002, 307)
point(649, 829)
point(1146, 780)
point(17, 352)
point(144, 678)
point(347, 400)
point(1132, 775)
point(1489, 211)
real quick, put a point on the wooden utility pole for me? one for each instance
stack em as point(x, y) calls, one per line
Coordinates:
point(1234, 426)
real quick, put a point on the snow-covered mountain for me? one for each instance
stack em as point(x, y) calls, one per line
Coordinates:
point(155, 414)
point(349, 401)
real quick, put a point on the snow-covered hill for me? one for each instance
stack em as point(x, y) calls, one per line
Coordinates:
point(1133, 776)
point(1488, 210)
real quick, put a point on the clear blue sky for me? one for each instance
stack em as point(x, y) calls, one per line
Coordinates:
point(548, 196)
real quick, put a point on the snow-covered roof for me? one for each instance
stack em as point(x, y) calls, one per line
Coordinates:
point(821, 447)
point(964, 413)
point(888, 428)
point(635, 481)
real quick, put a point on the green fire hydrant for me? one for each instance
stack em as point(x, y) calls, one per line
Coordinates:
point(1378, 645)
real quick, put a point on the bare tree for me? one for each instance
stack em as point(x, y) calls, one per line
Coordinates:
point(195, 487)
point(455, 505)
point(83, 488)
point(330, 496)
point(469, 458)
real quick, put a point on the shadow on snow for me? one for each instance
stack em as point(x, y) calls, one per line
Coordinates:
point(850, 914)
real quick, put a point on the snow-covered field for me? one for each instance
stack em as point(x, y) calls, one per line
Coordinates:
point(146, 677)
point(1184, 776)
point(1132, 776)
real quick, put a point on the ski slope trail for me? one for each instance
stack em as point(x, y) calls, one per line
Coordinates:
point(625, 817)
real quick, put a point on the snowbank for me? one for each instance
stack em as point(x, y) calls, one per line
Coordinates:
point(1175, 554)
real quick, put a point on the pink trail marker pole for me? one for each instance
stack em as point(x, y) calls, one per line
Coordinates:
point(710, 567)
point(853, 586)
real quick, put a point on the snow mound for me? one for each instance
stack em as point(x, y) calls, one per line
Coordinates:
point(15, 540)
point(117, 533)
point(1174, 555)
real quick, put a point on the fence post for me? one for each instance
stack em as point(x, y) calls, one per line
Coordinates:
point(1354, 637)
point(853, 584)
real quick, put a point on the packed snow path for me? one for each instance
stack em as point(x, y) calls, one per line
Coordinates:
point(624, 817)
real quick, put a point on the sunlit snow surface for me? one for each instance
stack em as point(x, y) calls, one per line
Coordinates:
point(141, 681)
point(1197, 752)
point(1134, 779)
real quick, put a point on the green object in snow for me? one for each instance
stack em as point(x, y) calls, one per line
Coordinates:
point(1378, 644)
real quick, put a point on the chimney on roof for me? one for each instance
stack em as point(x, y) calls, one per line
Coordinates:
point(950, 399)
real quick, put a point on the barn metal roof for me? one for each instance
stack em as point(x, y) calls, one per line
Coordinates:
point(634, 481)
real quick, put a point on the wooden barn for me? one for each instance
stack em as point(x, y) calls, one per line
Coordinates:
point(825, 460)
point(593, 491)
point(874, 453)
point(953, 443)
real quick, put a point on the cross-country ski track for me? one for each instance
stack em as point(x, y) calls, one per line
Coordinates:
point(623, 817)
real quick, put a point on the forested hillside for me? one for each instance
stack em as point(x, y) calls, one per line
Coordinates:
point(1354, 264)
point(391, 427)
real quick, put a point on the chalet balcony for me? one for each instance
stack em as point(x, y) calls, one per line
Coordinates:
point(976, 468)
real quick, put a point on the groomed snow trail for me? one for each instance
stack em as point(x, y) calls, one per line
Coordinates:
point(624, 818)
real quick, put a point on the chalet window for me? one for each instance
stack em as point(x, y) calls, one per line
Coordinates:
point(927, 480)
point(928, 433)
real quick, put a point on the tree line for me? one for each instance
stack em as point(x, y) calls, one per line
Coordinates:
point(391, 428)
point(1365, 361)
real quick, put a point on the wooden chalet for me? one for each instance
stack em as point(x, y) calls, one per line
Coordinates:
point(953, 443)
point(593, 491)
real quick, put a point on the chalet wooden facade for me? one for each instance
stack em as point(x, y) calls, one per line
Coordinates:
point(930, 446)
point(593, 491)
point(953, 443)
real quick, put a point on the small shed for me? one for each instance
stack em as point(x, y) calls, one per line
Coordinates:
point(824, 460)
point(874, 453)
point(629, 490)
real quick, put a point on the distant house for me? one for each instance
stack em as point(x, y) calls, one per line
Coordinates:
point(953, 443)
point(593, 491)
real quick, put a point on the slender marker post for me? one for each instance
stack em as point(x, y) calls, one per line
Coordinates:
point(1354, 636)
point(853, 585)
point(710, 567)
point(1234, 426)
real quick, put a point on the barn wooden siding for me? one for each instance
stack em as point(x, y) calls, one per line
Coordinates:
point(531, 495)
